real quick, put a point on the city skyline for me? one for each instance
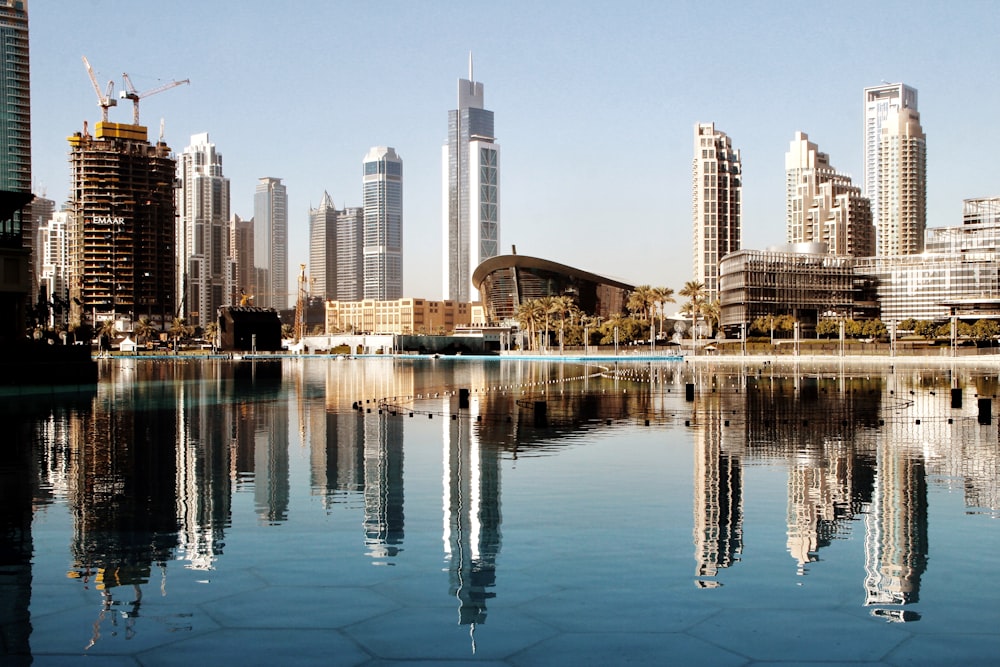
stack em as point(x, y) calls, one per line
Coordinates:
point(568, 103)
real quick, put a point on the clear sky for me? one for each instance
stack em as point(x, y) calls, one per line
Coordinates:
point(594, 105)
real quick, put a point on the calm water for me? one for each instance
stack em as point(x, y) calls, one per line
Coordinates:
point(313, 511)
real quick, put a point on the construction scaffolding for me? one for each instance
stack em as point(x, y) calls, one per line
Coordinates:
point(121, 237)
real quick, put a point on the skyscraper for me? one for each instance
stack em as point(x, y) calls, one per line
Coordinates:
point(15, 168)
point(471, 206)
point(383, 224)
point(122, 232)
point(824, 206)
point(15, 110)
point(323, 248)
point(206, 271)
point(902, 213)
point(241, 250)
point(350, 260)
point(717, 181)
point(895, 168)
point(270, 244)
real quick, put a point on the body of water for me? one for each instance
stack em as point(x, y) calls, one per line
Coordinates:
point(509, 512)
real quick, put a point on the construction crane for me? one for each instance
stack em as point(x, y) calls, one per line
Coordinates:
point(300, 304)
point(104, 101)
point(130, 93)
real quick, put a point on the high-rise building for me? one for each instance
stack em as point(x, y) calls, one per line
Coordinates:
point(270, 244)
point(42, 209)
point(902, 213)
point(122, 231)
point(241, 250)
point(323, 248)
point(206, 271)
point(15, 169)
point(716, 187)
point(15, 110)
point(895, 173)
point(350, 260)
point(824, 206)
point(383, 224)
point(471, 180)
point(53, 265)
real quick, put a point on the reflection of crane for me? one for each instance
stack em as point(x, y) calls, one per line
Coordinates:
point(130, 93)
point(104, 101)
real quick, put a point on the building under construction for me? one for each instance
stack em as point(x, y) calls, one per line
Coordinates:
point(122, 233)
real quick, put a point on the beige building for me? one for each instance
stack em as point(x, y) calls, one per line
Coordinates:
point(822, 205)
point(401, 316)
point(716, 186)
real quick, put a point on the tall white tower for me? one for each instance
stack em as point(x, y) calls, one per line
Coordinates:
point(717, 205)
point(883, 105)
point(471, 191)
point(206, 269)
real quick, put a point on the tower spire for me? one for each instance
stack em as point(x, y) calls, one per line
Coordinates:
point(470, 66)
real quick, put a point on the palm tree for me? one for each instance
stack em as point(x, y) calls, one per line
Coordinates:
point(107, 333)
point(212, 333)
point(641, 300)
point(548, 307)
point(711, 310)
point(563, 307)
point(529, 315)
point(144, 330)
point(694, 292)
point(661, 297)
point(180, 329)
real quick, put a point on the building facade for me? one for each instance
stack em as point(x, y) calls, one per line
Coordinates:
point(350, 260)
point(717, 204)
point(506, 281)
point(53, 265)
point(822, 205)
point(382, 249)
point(396, 316)
point(206, 270)
point(15, 95)
point(122, 231)
point(270, 244)
point(323, 248)
point(15, 169)
point(895, 168)
point(806, 283)
point(880, 103)
point(241, 250)
point(471, 191)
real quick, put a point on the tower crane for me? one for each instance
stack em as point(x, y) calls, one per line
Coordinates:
point(104, 101)
point(130, 93)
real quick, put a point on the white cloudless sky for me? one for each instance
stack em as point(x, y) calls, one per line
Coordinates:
point(594, 104)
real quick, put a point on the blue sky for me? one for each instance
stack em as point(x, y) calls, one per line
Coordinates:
point(594, 105)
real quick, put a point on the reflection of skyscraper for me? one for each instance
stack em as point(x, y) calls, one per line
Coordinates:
point(271, 481)
point(472, 518)
point(204, 486)
point(383, 484)
point(819, 500)
point(896, 528)
point(718, 493)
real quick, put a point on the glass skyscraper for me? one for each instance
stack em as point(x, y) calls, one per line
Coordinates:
point(270, 244)
point(471, 207)
point(15, 98)
point(382, 249)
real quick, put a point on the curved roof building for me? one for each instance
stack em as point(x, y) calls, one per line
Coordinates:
point(506, 281)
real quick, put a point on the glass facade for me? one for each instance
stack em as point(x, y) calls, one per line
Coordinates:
point(15, 97)
point(382, 247)
point(471, 191)
point(506, 281)
point(270, 221)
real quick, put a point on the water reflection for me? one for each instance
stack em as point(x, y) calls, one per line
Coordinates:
point(149, 466)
